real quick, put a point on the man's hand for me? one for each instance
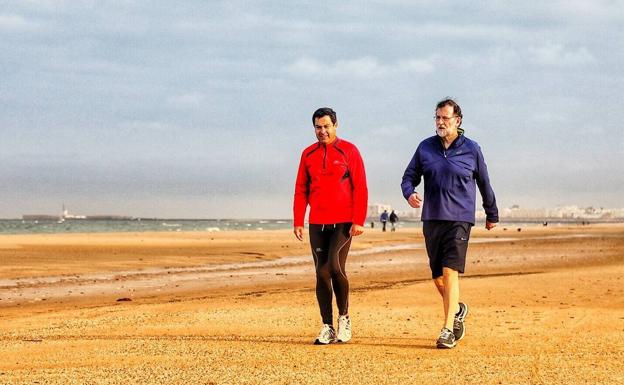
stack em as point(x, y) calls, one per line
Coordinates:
point(298, 232)
point(415, 200)
point(356, 230)
point(490, 225)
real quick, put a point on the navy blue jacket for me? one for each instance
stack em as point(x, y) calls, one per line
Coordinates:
point(450, 176)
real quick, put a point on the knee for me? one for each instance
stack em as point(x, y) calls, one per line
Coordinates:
point(449, 275)
point(323, 272)
point(336, 271)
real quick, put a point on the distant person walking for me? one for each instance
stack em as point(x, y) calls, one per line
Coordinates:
point(383, 218)
point(393, 220)
point(452, 165)
point(331, 179)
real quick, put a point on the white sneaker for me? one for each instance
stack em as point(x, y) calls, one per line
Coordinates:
point(344, 328)
point(327, 335)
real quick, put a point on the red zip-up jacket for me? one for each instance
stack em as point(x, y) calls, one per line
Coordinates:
point(332, 180)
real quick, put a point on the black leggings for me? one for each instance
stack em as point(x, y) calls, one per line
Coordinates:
point(330, 246)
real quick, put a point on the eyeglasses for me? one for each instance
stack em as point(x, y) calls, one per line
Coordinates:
point(445, 119)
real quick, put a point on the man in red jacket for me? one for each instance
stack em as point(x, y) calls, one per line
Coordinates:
point(331, 179)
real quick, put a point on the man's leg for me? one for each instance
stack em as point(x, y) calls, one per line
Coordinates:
point(451, 295)
point(319, 241)
point(338, 251)
point(435, 233)
point(448, 287)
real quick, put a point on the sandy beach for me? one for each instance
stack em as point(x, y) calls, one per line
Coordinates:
point(547, 307)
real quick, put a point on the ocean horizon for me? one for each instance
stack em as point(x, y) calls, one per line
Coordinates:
point(21, 226)
point(52, 226)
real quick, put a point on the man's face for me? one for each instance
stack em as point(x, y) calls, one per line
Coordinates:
point(446, 122)
point(325, 130)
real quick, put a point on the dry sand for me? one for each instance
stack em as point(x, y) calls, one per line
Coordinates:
point(547, 307)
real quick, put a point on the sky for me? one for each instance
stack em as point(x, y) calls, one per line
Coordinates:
point(200, 109)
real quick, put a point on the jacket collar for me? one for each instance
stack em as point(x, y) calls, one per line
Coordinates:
point(456, 143)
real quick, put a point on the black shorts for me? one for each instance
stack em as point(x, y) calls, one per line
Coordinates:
point(447, 243)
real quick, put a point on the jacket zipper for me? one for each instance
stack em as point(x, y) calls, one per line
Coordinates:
point(324, 156)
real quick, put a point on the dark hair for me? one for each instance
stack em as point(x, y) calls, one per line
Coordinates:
point(452, 103)
point(324, 111)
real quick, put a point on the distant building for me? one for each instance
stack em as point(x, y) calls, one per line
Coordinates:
point(516, 212)
point(65, 215)
point(618, 213)
point(375, 209)
point(562, 212)
point(410, 213)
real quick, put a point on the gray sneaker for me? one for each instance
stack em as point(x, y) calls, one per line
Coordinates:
point(446, 339)
point(327, 335)
point(459, 329)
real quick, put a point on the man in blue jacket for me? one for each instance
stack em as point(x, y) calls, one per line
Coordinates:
point(452, 166)
point(383, 218)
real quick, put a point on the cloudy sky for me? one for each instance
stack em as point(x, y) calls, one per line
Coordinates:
point(202, 108)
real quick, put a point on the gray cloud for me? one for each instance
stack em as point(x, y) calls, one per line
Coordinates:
point(364, 67)
point(161, 105)
point(558, 55)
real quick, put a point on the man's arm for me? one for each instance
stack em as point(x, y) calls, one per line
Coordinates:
point(360, 191)
point(411, 179)
point(300, 201)
point(487, 193)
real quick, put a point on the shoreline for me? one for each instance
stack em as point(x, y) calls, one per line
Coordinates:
point(378, 253)
point(165, 226)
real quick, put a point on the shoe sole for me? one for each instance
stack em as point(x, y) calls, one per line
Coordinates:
point(343, 341)
point(317, 342)
point(445, 346)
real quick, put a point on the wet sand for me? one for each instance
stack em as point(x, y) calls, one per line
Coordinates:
point(547, 306)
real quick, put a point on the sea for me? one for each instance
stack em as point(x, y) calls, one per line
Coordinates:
point(19, 226)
